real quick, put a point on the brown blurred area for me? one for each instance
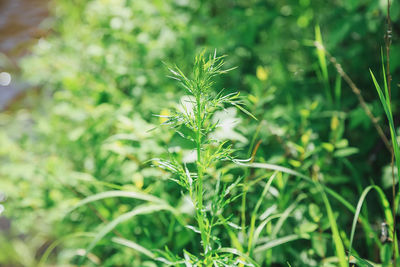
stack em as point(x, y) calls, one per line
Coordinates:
point(19, 21)
point(19, 28)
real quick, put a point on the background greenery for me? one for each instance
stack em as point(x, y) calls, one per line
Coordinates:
point(102, 79)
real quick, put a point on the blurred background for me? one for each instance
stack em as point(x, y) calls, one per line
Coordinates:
point(19, 26)
point(81, 81)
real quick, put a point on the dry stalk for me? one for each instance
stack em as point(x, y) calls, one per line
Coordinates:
point(357, 92)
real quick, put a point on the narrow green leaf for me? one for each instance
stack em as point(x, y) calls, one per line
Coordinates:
point(322, 63)
point(134, 246)
point(143, 209)
point(331, 192)
point(321, 53)
point(255, 211)
point(56, 243)
point(335, 231)
point(389, 116)
point(261, 226)
point(361, 262)
point(386, 207)
point(279, 241)
point(117, 193)
point(238, 253)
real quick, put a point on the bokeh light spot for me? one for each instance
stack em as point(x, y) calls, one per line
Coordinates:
point(5, 78)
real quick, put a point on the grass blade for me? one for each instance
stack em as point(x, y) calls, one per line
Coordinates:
point(262, 225)
point(279, 241)
point(56, 243)
point(332, 193)
point(134, 246)
point(285, 215)
point(386, 106)
point(386, 207)
point(117, 193)
point(143, 209)
point(362, 262)
point(335, 230)
point(322, 63)
point(321, 53)
point(255, 211)
point(237, 253)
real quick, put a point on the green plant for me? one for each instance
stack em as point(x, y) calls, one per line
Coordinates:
point(100, 73)
point(194, 122)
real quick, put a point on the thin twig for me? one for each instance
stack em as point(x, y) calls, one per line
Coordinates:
point(357, 92)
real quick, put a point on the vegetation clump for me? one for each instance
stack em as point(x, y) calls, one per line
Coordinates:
point(279, 175)
point(194, 122)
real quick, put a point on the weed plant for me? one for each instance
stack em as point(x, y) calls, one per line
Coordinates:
point(194, 122)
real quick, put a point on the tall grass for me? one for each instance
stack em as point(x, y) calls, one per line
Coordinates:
point(193, 121)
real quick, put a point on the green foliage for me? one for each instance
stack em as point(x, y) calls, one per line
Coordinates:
point(196, 116)
point(79, 157)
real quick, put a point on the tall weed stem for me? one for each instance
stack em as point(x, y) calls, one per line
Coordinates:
point(194, 122)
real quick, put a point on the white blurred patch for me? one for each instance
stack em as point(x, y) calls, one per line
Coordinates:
point(2, 197)
point(116, 23)
point(1, 209)
point(94, 50)
point(227, 122)
point(190, 156)
point(187, 205)
point(187, 105)
point(5, 78)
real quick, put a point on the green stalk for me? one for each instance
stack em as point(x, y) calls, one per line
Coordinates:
point(200, 215)
point(198, 120)
point(243, 207)
point(255, 212)
point(246, 179)
point(340, 252)
point(199, 167)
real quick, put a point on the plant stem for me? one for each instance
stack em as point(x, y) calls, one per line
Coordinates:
point(199, 163)
point(243, 207)
point(251, 154)
point(199, 195)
